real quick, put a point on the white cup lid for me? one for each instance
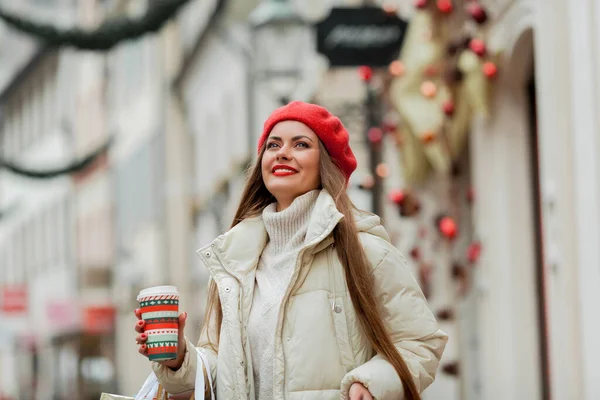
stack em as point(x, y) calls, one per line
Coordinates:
point(158, 290)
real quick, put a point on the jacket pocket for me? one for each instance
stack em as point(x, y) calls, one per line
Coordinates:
point(340, 326)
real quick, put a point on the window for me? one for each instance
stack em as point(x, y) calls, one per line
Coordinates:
point(27, 247)
point(49, 244)
point(37, 108)
point(6, 137)
point(3, 264)
point(50, 99)
point(19, 265)
point(129, 69)
point(17, 125)
point(38, 247)
point(26, 115)
point(8, 273)
point(136, 189)
point(59, 236)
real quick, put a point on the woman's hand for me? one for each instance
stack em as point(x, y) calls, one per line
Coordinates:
point(359, 392)
point(141, 339)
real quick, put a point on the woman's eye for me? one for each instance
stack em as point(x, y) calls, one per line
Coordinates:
point(271, 145)
point(302, 144)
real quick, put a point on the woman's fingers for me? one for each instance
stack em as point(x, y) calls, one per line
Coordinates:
point(139, 326)
point(141, 338)
point(143, 350)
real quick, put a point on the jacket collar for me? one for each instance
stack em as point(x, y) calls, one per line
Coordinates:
point(240, 248)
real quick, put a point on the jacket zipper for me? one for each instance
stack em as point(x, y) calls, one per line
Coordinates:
point(299, 260)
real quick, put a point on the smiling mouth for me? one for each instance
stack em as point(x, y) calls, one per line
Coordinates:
point(283, 171)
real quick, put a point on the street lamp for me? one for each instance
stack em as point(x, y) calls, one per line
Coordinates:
point(282, 43)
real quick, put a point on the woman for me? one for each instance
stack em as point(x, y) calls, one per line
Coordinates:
point(308, 299)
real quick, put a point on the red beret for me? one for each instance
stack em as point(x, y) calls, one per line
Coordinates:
point(327, 126)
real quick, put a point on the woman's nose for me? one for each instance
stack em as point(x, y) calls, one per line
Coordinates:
point(283, 153)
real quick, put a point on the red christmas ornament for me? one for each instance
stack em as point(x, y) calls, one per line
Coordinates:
point(473, 252)
point(431, 71)
point(490, 69)
point(477, 12)
point(389, 126)
point(375, 135)
point(365, 73)
point(448, 227)
point(428, 89)
point(415, 253)
point(448, 108)
point(382, 170)
point(420, 3)
point(445, 6)
point(428, 137)
point(396, 68)
point(397, 196)
point(478, 47)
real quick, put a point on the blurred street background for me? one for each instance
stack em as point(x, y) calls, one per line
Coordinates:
point(127, 126)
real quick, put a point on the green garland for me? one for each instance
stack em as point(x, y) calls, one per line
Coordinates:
point(109, 34)
point(74, 167)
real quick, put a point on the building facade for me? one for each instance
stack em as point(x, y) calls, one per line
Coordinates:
point(184, 109)
point(38, 215)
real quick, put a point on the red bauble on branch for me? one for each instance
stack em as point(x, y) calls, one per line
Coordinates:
point(366, 73)
point(415, 253)
point(428, 137)
point(421, 3)
point(448, 108)
point(428, 89)
point(490, 69)
point(478, 47)
point(431, 71)
point(407, 202)
point(396, 68)
point(389, 126)
point(473, 252)
point(445, 6)
point(447, 227)
point(477, 12)
point(375, 135)
point(397, 196)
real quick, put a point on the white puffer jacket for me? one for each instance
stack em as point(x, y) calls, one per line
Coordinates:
point(320, 348)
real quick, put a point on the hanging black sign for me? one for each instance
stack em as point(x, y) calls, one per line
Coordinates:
point(360, 36)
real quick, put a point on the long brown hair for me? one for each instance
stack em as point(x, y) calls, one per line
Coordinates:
point(350, 252)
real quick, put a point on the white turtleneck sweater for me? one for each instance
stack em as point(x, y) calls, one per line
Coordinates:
point(286, 230)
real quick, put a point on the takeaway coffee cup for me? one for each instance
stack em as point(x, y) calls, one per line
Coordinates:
point(159, 307)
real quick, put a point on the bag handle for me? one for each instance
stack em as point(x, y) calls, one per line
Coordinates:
point(202, 361)
point(153, 389)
